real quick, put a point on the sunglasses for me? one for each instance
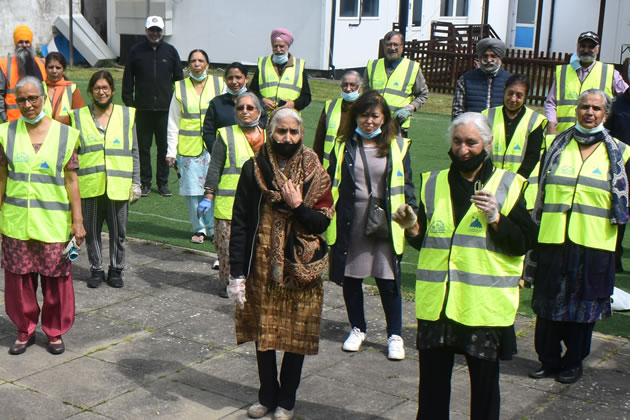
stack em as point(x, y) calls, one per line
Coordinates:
point(243, 107)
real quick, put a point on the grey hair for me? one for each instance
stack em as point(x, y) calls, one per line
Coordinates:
point(606, 100)
point(355, 74)
point(389, 35)
point(255, 99)
point(32, 80)
point(283, 113)
point(478, 120)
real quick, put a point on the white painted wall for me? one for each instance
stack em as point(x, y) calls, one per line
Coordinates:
point(616, 31)
point(571, 18)
point(39, 15)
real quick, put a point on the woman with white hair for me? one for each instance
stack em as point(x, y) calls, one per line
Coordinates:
point(282, 207)
point(474, 232)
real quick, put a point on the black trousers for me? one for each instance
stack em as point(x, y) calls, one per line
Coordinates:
point(436, 367)
point(273, 393)
point(149, 124)
point(548, 338)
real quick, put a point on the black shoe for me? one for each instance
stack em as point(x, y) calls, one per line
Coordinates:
point(145, 190)
point(97, 278)
point(164, 191)
point(570, 376)
point(114, 277)
point(19, 348)
point(541, 372)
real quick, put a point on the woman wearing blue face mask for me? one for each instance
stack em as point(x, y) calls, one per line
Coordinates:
point(370, 160)
point(582, 200)
point(334, 115)
point(186, 115)
point(294, 91)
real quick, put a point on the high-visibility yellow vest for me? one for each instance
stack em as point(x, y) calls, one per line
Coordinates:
point(36, 204)
point(105, 164)
point(193, 111)
point(237, 152)
point(578, 199)
point(511, 157)
point(287, 86)
point(569, 88)
point(65, 105)
point(397, 89)
point(396, 191)
point(332, 109)
point(482, 280)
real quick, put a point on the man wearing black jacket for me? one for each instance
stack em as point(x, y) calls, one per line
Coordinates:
point(152, 67)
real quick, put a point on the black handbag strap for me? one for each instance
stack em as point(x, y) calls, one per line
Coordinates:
point(365, 168)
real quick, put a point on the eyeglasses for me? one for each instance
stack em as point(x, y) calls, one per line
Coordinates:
point(104, 89)
point(31, 99)
point(243, 107)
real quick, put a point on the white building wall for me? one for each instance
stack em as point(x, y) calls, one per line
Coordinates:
point(616, 31)
point(39, 15)
point(571, 18)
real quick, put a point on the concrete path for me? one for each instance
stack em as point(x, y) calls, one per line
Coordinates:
point(163, 346)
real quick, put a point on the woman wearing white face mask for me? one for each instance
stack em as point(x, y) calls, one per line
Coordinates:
point(186, 115)
point(334, 116)
point(294, 91)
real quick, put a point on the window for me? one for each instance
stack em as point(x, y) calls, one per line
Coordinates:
point(416, 13)
point(350, 8)
point(459, 7)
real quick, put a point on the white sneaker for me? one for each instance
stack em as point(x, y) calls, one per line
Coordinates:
point(283, 414)
point(354, 340)
point(257, 410)
point(215, 265)
point(395, 348)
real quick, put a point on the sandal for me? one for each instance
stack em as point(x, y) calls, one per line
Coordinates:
point(198, 238)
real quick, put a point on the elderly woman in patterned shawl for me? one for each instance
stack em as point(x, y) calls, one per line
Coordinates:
point(282, 207)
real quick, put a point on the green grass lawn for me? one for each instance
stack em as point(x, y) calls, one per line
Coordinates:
point(166, 219)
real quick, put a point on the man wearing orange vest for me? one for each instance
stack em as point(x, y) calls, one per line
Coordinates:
point(23, 63)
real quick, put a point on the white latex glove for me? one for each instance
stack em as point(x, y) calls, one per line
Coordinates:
point(236, 291)
point(487, 203)
point(405, 216)
point(135, 193)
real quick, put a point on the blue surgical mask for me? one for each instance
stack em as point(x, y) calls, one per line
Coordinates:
point(199, 78)
point(34, 120)
point(368, 136)
point(574, 62)
point(593, 130)
point(248, 125)
point(350, 97)
point(236, 93)
point(280, 59)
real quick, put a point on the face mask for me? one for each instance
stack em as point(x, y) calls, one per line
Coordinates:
point(350, 97)
point(280, 59)
point(593, 130)
point(34, 120)
point(199, 78)
point(248, 125)
point(468, 165)
point(574, 62)
point(367, 136)
point(490, 68)
point(285, 150)
point(106, 104)
point(236, 93)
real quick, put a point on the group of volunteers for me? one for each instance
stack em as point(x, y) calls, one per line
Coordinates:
point(553, 187)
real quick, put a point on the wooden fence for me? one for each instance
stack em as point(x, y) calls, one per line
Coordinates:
point(443, 62)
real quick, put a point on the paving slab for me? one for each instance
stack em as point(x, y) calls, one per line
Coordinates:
point(30, 404)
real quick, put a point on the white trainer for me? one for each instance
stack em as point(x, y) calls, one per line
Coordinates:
point(283, 414)
point(257, 410)
point(215, 265)
point(395, 348)
point(354, 340)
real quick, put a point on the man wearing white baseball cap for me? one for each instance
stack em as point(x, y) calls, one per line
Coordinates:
point(153, 65)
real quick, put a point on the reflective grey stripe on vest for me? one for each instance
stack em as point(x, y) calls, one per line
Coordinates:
point(483, 279)
point(77, 121)
point(491, 113)
point(11, 106)
point(530, 125)
point(571, 182)
point(433, 242)
point(566, 119)
point(222, 192)
point(602, 81)
point(560, 100)
point(478, 242)
point(591, 210)
point(231, 148)
point(37, 204)
point(93, 148)
point(433, 276)
point(185, 113)
point(397, 190)
point(192, 133)
point(118, 152)
point(504, 186)
point(263, 74)
point(374, 63)
point(126, 123)
point(329, 113)
point(401, 92)
point(429, 194)
point(191, 115)
point(11, 132)
point(38, 178)
point(119, 174)
point(9, 89)
point(293, 86)
point(532, 180)
point(215, 80)
point(92, 170)
point(556, 208)
point(69, 93)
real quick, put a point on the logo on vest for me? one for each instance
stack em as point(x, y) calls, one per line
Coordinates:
point(242, 161)
point(45, 165)
point(597, 171)
point(116, 141)
point(437, 227)
point(475, 225)
point(21, 157)
point(399, 173)
point(286, 78)
point(565, 170)
point(517, 147)
point(396, 83)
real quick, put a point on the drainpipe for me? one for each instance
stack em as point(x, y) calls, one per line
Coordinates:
point(333, 21)
point(71, 36)
point(551, 16)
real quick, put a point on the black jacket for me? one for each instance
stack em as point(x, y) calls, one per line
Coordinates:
point(246, 216)
point(345, 207)
point(149, 76)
